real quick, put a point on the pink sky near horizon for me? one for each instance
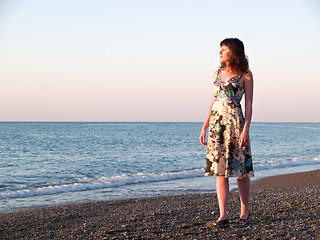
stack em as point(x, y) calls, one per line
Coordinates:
point(153, 60)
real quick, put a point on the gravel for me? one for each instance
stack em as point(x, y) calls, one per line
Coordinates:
point(279, 210)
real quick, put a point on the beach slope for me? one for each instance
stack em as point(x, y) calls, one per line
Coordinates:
point(282, 207)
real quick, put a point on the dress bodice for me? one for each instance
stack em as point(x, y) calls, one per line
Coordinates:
point(231, 90)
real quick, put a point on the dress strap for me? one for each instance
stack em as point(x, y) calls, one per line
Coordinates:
point(216, 75)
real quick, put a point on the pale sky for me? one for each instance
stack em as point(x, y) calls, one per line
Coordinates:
point(153, 60)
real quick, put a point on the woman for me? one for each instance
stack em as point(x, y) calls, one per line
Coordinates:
point(228, 147)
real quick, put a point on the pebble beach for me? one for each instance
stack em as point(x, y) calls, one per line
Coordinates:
point(282, 207)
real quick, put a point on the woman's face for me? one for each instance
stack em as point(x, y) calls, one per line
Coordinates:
point(225, 54)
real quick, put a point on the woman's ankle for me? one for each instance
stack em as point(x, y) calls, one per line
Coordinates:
point(245, 213)
point(223, 217)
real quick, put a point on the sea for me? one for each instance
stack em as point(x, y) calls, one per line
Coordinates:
point(55, 163)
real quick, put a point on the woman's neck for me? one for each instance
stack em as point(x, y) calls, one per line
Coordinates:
point(228, 70)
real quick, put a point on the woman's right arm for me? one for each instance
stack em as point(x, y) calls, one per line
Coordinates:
point(205, 126)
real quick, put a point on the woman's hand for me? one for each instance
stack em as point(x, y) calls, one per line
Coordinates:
point(202, 137)
point(244, 138)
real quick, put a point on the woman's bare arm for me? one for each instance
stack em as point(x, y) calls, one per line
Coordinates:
point(248, 86)
point(202, 137)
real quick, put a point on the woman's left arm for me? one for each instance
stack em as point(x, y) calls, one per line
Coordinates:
point(248, 87)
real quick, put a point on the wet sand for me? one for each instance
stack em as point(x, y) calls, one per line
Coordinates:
point(282, 207)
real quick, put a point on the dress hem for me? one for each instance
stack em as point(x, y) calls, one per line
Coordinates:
point(210, 174)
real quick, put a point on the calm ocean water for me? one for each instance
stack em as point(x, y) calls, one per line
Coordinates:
point(45, 164)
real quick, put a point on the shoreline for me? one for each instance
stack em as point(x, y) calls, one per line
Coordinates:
point(282, 207)
point(289, 180)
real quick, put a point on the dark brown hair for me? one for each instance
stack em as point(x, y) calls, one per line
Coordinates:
point(239, 61)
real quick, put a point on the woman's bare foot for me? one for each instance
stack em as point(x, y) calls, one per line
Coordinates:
point(245, 215)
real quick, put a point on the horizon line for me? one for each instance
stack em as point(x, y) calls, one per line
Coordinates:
point(46, 121)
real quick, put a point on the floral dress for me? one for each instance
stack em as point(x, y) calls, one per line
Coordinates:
point(224, 156)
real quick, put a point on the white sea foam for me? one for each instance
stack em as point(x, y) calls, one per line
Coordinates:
point(287, 163)
point(86, 184)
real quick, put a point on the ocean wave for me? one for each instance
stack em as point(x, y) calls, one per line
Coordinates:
point(287, 163)
point(86, 184)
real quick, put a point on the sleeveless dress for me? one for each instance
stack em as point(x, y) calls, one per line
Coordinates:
point(224, 156)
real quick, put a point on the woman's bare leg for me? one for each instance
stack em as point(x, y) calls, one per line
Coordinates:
point(244, 191)
point(223, 196)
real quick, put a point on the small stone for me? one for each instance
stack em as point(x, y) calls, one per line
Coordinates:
point(185, 225)
point(185, 232)
point(166, 235)
point(209, 225)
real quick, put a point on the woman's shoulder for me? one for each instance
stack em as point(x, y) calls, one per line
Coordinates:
point(247, 78)
point(215, 74)
point(248, 75)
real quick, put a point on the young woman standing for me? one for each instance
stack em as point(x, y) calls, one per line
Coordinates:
point(228, 147)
